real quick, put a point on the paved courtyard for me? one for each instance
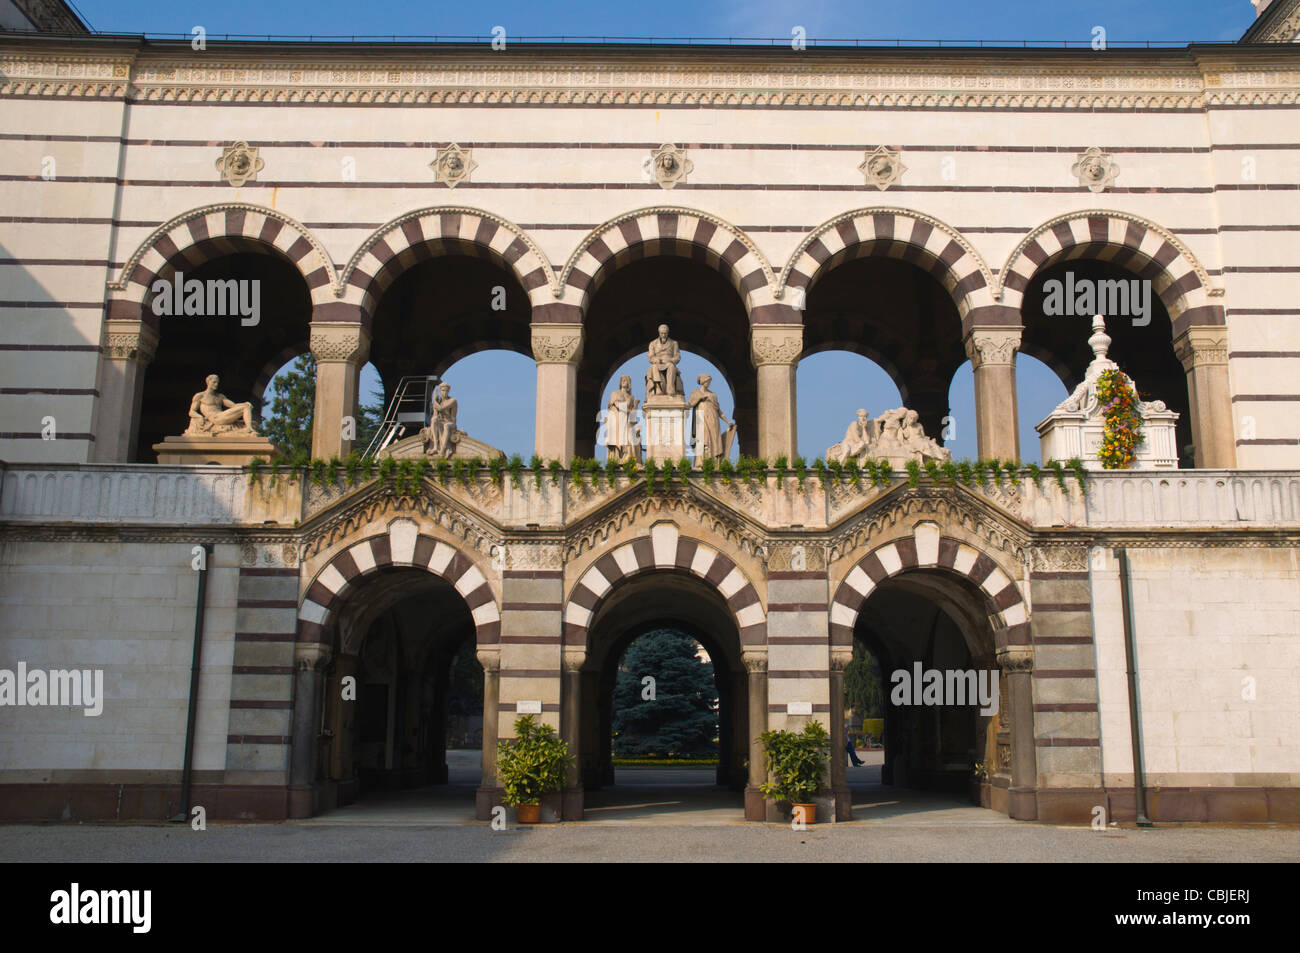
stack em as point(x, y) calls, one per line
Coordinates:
point(649, 816)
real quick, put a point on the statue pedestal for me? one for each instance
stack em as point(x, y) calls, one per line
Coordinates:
point(1067, 434)
point(226, 449)
point(667, 428)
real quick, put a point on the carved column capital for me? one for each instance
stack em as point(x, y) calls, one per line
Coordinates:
point(988, 346)
point(841, 656)
point(311, 656)
point(573, 659)
point(776, 344)
point(343, 341)
point(1016, 659)
point(755, 662)
point(489, 656)
point(1202, 346)
point(126, 340)
point(557, 343)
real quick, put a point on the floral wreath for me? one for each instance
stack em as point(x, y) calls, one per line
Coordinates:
point(1123, 428)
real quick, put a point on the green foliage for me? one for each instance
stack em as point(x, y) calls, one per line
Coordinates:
point(800, 466)
point(863, 688)
point(575, 470)
point(1080, 473)
point(683, 470)
point(444, 470)
point(611, 471)
point(496, 467)
point(796, 762)
point(886, 472)
point(913, 473)
point(681, 721)
point(537, 466)
point(932, 468)
point(533, 763)
point(556, 468)
point(837, 470)
point(516, 466)
point(851, 468)
point(255, 467)
point(651, 471)
point(293, 406)
point(707, 466)
point(964, 473)
point(873, 728)
point(1035, 472)
point(727, 471)
point(1056, 468)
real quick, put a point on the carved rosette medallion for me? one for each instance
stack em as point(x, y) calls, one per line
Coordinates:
point(1096, 169)
point(240, 163)
point(453, 165)
point(669, 165)
point(882, 167)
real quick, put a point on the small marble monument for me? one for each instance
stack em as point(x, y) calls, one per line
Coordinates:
point(896, 435)
point(441, 439)
point(667, 415)
point(220, 432)
point(1076, 426)
point(710, 440)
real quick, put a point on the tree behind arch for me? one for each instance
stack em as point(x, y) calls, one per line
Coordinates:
point(681, 721)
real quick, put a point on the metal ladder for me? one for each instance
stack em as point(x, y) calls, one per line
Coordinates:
point(409, 406)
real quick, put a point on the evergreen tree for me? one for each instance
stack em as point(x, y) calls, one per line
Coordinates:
point(682, 718)
point(863, 691)
point(293, 405)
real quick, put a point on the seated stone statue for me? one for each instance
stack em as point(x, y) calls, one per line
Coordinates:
point(441, 436)
point(212, 413)
point(895, 435)
point(856, 440)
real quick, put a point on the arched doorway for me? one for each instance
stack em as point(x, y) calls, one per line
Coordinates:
point(950, 631)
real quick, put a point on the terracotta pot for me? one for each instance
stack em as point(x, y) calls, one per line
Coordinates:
point(530, 813)
point(809, 812)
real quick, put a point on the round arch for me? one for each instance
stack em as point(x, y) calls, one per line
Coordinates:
point(663, 230)
point(426, 232)
point(914, 237)
point(211, 231)
point(403, 546)
point(1137, 244)
point(664, 548)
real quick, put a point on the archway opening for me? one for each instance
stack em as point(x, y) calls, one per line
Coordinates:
point(939, 689)
point(1141, 344)
point(705, 316)
point(244, 351)
point(1038, 391)
point(832, 385)
point(902, 318)
point(403, 706)
point(645, 608)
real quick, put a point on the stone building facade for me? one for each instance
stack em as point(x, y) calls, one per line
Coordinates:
point(904, 204)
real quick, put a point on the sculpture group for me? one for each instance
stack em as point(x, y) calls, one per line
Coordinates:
point(896, 435)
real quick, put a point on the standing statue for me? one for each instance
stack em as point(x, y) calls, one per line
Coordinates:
point(213, 413)
point(621, 439)
point(709, 438)
point(663, 379)
point(440, 436)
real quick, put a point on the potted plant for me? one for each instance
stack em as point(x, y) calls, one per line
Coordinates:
point(533, 763)
point(979, 776)
point(796, 764)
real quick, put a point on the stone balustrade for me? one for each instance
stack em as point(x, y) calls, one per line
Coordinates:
point(153, 495)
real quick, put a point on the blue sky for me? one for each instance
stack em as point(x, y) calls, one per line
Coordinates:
point(496, 390)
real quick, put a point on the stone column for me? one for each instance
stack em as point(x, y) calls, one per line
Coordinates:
point(557, 349)
point(1017, 663)
point(992, 353)
point(128, 348)
point(571, 732)
point(340, 349)
point(840, 658)
point(309, 660)
point(1203, 352)
point(775, 350)
point(489, 794)
point(756, 667)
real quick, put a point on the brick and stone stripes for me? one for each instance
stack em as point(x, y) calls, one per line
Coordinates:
point(1141, 247)
point(261, 682)
point(798, 640)
point(402, 545)
point(532, 603)
point(429, 232)
point(665, 231)
point(926, 548)
point(1067, 727)
point(665, 548)
point(199, 235)
point(891, 233)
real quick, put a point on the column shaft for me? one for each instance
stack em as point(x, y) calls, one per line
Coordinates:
point(340, 349)
point(775, 351)
point(128, 349)
point(755, 806)
point(992, 352)
point(1203, 352)
point(557, 348)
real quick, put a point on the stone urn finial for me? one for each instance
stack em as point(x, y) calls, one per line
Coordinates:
point(1100, 340)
